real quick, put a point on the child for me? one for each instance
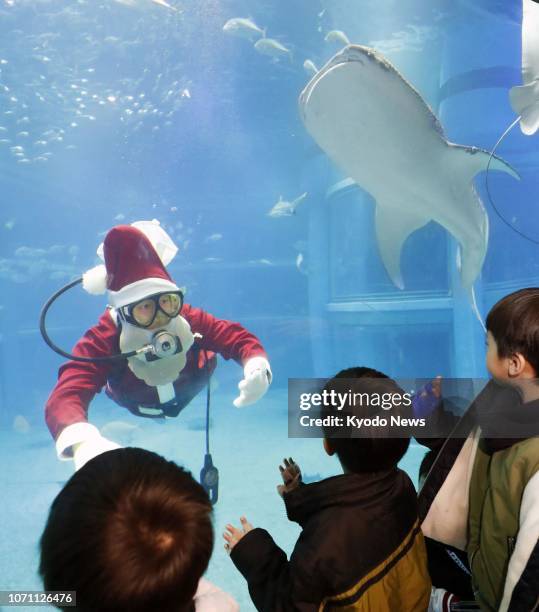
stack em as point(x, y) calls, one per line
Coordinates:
point(131, 531)
point(482, 494)
point(361, 547)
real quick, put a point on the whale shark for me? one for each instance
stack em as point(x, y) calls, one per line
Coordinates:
point(377, 128)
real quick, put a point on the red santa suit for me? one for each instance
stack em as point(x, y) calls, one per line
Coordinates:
point(78, 382)
point(135, 258)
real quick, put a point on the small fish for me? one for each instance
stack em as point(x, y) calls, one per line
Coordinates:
point(165, 4)
point(301, 264)
point(337, 36)
point(263, 261)
point(310, 67)
point(214, 237)
point(119, 217)
point(272, 48)
point(284, 208)
point(212, 259)
point(243, 28)
point(9, 225)
point(21, 424)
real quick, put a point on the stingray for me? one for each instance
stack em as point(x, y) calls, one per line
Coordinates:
point(525, 98)
point(373, 124)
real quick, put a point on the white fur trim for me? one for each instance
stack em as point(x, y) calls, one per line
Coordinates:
point(139, 290)
point(94, 281)
point(74, 434)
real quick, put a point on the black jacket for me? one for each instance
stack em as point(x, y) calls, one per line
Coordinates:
point(360, 533)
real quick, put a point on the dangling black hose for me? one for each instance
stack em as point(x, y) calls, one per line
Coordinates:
point(209, 474)
point(208, 417)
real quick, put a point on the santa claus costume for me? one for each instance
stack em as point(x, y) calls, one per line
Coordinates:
point(174, 362)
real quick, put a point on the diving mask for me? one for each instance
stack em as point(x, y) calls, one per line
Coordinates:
point(143, 312)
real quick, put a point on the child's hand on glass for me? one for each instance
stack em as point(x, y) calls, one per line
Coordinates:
point(291, 475)
point(428, 398)
point(232, 535)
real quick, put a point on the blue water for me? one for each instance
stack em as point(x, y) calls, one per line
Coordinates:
point(129, 110)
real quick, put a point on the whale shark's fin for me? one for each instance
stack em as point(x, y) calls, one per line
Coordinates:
point(466, 163)
point(393, 226)
point(525, 99)
point(525, 102)
point(476, 160)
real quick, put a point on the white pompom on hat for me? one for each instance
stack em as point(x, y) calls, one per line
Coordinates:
point(135, 257)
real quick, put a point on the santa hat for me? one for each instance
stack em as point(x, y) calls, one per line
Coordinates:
point(133, 266)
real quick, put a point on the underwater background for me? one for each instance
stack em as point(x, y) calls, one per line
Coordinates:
point(113, 111)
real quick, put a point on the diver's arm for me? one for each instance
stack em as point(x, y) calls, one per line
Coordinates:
point(233, 341)
point(229, 339)
point(78, 382)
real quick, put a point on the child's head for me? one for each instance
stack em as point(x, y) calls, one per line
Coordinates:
point(513, 336)
point(129, 531)
point(375, 450)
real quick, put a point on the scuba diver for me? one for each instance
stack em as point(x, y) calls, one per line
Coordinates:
point(151, 352)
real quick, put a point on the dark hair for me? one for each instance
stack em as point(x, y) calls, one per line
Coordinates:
point(375, 450)
point(514, 323)
point(130, 531)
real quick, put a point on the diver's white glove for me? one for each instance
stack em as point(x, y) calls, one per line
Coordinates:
point(84, 451)
point(256, 380)
point(82, 442)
